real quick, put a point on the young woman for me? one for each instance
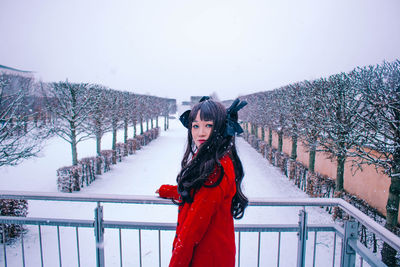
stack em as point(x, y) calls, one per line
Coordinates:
point(209, 187)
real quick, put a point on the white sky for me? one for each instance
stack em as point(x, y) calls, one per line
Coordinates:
point(178, 48)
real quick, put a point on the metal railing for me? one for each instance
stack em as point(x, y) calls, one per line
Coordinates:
point(348, 234)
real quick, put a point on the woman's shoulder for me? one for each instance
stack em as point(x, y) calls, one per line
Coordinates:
point(227, 165)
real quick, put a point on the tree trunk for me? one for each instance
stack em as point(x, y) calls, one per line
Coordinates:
point(147, 124)
point(340, 173)
point(74, 152)
point(134, 129)
point(293, 155)
point(157, 121)
point(74, 148)
point(114, 145)
point(262, 133)
point(98, 152)
point(311, 160)
point(280, 141)
point(270, 136)
point(313, 149)
point(165, 123)
point(392, 212)
point(98, 144)
point(141, 125)
point(125, 131)
point(151, 125)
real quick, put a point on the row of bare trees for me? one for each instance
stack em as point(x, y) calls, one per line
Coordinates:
point(80, 111)
point(30, 112)
point(351, 116)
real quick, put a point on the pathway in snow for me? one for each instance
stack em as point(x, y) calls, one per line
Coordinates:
point(141, 174)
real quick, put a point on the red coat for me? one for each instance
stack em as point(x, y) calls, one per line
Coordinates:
point(205, 232)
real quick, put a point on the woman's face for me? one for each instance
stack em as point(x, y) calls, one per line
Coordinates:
point(201, 130)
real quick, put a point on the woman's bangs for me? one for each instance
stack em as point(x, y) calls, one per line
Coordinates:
point(206, 112)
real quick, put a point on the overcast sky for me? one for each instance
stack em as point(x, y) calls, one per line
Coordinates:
point(178, 48)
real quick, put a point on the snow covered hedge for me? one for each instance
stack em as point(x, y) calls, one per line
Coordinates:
point(73, 178)
point(88, 166)
point(141, 140)
point(133, 145)
point(12, 207)
point(68, 178)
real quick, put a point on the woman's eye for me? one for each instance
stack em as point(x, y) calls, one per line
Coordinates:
point(209, 125)
point(195, 126)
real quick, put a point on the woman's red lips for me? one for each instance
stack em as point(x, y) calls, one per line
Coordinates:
point(201, 141)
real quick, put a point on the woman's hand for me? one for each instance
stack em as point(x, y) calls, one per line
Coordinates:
point(168, 191)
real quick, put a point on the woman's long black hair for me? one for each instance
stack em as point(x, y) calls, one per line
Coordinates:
point(198, 164)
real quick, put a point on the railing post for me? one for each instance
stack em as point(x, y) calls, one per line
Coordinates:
point(348, 255)
point(99, 234)
point(302, 238)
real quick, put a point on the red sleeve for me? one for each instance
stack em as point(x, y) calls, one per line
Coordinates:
point(205, 204)
point(169, 191)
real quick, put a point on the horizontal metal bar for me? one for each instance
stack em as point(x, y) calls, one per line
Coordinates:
point(140, 225)
point(293, 202)
point(238, 227)
point(46, 221)
point(283, 227)
point(106, 198)
point(163, 226)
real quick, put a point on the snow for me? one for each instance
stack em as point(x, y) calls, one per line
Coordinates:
point(141, 174)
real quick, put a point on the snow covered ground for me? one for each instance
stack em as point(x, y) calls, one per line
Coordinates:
point(141, 174)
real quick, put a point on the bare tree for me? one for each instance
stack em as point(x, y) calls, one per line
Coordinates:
point(340, 122)
point(380, 146)
point(19, 137)
point(70, 104)
point(280, 114)
point(127, 107)
point(295, 95)
point(116, 110)
point(134, 113)
point(141, 106)
point(310, 120)
point(267, 111)
point(157, 109)
point(98, 123)
point(258, 115)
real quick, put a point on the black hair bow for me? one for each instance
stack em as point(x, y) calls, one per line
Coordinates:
point(184, 118)
point(232, 125)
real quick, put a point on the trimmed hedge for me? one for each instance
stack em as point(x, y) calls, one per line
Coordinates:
point(68, 178)
point(12, 207)
point(72, 178)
